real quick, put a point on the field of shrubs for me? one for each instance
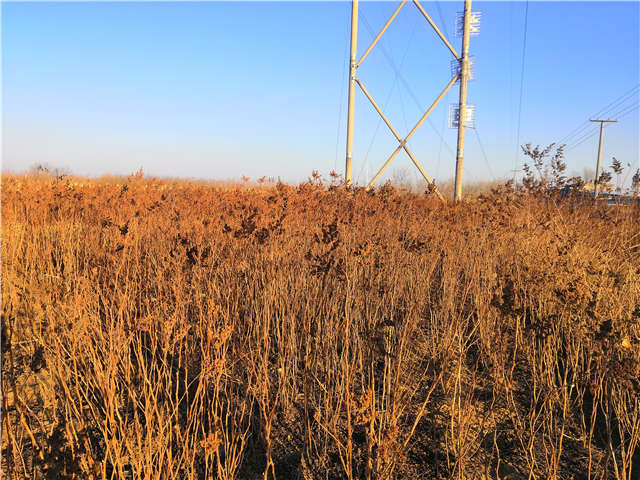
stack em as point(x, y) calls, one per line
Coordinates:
point(178, 330)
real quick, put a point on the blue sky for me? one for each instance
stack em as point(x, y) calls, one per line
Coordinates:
point(219, 90)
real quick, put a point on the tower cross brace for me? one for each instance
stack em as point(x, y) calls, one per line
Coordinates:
point(462, 75)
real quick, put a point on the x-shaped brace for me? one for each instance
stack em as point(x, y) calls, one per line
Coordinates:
point(403, 141)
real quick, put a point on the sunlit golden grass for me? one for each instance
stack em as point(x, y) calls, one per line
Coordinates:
point(175, 330)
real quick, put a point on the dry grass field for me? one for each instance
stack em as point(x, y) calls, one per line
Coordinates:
point(177, 330)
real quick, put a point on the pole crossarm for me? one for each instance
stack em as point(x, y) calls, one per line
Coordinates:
point(403, 141)
point(433, 25)
point(375, 40)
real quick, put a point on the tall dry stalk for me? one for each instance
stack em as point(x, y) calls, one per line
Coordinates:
point(178, 330)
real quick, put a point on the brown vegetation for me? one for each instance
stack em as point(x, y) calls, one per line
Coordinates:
point(182, 331)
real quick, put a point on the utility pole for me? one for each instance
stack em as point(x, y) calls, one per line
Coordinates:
point(599, 163)
point(515, 179)
point(352, 88)
point(462, 106)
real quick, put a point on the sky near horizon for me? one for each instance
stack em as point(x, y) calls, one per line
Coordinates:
point(224, 89)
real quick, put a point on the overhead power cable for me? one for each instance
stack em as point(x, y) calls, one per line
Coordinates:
point(404, 82)
point(444, 123)
point(595, 130)
point(582, 126)
point(586, 124)
point(413, 96)
point(444, 24)
point(590, 132)
point(627, 113)
point(444, 116)
point(342, 83)
point(584, 139)
point(486, 160)
point(524, 52)
point(624, 97)
point(625, 110)
point(577, 133)
point(395, 80)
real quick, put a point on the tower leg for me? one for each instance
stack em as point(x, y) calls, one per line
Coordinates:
point(352, 90)
point(464, 77)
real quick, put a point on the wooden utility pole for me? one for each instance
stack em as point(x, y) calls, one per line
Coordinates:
point(599, 163)
point(464, 77)
point(352, 88)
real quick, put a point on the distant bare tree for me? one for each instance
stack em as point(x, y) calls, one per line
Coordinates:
point(635, 181)
point(549, 177)
point(617, 168)
point(401, 178)
point(588, 174)
point(605, 177)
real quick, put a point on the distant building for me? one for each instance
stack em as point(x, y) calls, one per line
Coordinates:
point(604, 187)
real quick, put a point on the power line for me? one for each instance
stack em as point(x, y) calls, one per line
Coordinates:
point(605, 111)
point(404, 111)
point(617, 101)
point(582, 135)
point(577, 133)
point(622, 113)
point(406, 125)
point(583, 138)
point(581, 127)
point(511, 122)
point(444, 123)
point(444, 24)
point(627, 113)
point(470, 23)
point(407, 86)
point(400, 77)
point(486, 160)
point(395, 80)
point(444, 117)
point(625, 110)
point(342, 83)
point(524, 51)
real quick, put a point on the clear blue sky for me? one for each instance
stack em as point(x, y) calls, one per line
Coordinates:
point(220, 90)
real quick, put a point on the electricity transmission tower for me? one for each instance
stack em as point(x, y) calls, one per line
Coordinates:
point(461, 115)
point(599, 163)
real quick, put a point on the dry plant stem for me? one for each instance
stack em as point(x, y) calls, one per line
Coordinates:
point(171, 329)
